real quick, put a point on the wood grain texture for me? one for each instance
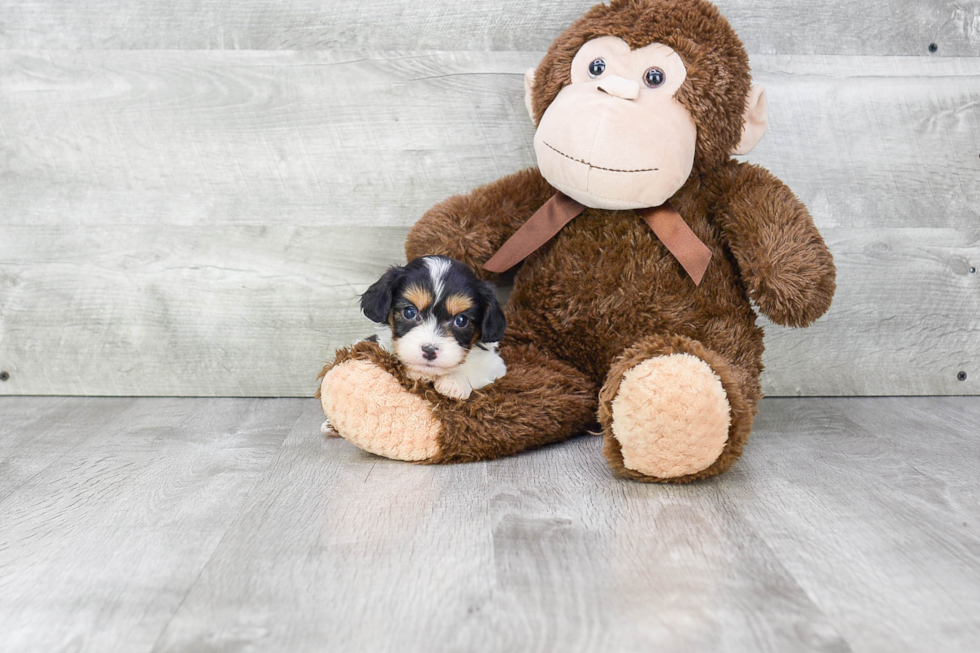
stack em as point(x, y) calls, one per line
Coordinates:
point(200, 525)
point(209, 137)
point(585, 562)
point(879, 499)
point(899, 27)
point(98, 549)
point(255, 311)
point(174, 310)
point(536, 553)
point(875, 141)
point(905, 319)
point(341, 550)
point(200, 223)
point(333, 138)
point(35, 433)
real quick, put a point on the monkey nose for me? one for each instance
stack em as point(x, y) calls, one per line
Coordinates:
point(620, 87)
point(429, 352)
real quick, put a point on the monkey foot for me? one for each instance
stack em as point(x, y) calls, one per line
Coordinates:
point(368, 407)
point(670, 419)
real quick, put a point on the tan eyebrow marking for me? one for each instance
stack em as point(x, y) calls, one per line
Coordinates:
point(420, 297)
point(457, 303)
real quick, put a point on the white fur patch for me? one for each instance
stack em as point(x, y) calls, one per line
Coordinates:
point(409, 349)
point(481, 368)
point(438, 268)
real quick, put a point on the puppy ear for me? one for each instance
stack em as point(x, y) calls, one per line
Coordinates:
point(494, 322)
point(376, 300)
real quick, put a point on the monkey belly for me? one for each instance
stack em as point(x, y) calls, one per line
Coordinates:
point(606, 281)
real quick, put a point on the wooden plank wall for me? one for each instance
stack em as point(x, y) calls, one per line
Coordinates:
point(193, 194)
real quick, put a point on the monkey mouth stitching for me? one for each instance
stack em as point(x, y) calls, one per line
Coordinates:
point(595, 166)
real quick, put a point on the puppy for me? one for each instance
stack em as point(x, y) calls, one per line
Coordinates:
point(441, 321)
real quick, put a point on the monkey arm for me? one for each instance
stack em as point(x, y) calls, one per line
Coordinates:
point(786, 266)
point(471, 228)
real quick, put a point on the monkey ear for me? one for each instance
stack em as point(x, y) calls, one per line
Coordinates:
point(528, 86)
point(756, 120)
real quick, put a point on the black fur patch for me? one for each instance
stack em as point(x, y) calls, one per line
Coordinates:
point(482, 322)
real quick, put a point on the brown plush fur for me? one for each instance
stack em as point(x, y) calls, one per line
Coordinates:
point(494, 421)
point(605, 294)
point(605, 281)
point(480, 222)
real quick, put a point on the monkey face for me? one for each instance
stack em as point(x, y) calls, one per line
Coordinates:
point(616, 137)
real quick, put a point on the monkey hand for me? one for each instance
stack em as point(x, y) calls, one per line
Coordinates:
point(795, 285)
point(784, 262)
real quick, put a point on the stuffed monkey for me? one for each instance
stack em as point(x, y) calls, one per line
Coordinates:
point(639, 245)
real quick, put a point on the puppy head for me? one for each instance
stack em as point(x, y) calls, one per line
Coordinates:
point(437, 310)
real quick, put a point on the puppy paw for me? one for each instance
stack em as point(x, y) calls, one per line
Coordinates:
point(453, 387)
point(328, 430)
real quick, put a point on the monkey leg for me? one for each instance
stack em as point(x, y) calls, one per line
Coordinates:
point(371, 403)
point(673, 411)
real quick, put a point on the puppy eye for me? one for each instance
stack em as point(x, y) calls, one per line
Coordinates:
point(461, 321)
point(410, 313)
point(654, 77)
point(597, 67)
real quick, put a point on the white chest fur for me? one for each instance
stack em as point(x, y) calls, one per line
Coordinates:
point(481, 367)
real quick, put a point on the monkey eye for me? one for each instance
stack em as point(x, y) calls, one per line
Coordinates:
point(597, 67)
point(654, 77)
point(410, 313)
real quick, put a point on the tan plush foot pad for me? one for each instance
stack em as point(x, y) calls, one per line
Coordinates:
point(370, 409)
point(671, 416)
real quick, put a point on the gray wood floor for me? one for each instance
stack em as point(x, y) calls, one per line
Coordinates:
point(232, 525)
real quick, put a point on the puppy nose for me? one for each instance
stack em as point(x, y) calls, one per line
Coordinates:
point(429, 352)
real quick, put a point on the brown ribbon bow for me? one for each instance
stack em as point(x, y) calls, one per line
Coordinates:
point(664, 220)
